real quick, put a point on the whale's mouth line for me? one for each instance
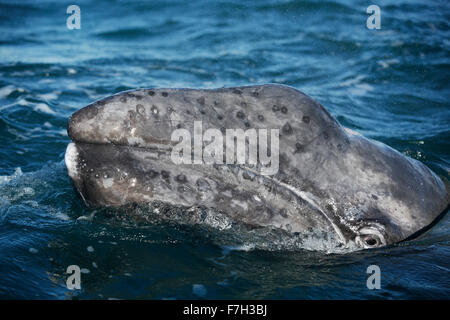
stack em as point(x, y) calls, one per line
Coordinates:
point(313, 204)
point(428, 227)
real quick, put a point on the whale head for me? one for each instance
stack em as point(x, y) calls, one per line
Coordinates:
point(330, 179)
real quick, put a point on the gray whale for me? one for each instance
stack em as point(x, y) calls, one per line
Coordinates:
point(329, 179)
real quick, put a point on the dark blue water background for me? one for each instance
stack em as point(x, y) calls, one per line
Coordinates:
point(390, 84)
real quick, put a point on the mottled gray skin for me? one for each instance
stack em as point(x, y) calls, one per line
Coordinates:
point(330, 179)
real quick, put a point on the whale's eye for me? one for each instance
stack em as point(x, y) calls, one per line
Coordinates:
point(370, 241)
point(371, 236)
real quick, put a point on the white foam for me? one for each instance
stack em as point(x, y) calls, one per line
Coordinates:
point(386, 63)
point(86, 217)
point(28, 190)
point(62, 216)
point(50, 96)
point(361, 89)
point(22, 102)
point(242, 247)
point(352, 81)
point(42, 107)
point(4, 179)
point(6, 91)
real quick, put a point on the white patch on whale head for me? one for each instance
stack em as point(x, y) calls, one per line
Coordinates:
point(71, 160)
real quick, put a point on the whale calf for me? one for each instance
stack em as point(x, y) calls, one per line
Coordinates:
point(328, 179)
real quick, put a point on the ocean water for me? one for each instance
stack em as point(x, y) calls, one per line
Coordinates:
point(390, 84)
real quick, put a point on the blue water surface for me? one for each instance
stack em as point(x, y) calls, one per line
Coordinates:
point(390, 84)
